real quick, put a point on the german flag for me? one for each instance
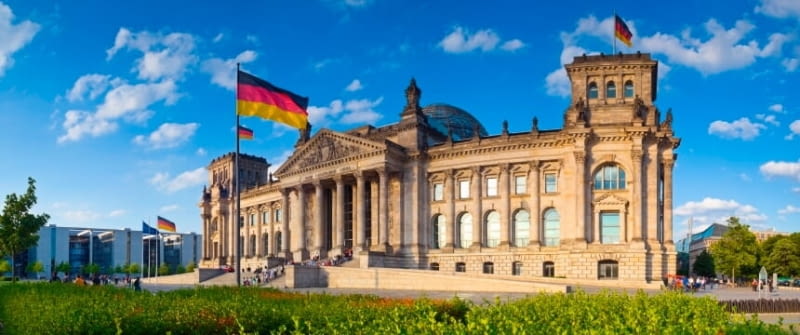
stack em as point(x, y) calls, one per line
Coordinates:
point(257, 97)
point(621, 31)
point(165, 224)
point(245, 133)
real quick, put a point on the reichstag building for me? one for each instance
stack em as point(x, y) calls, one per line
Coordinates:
point(589, 201)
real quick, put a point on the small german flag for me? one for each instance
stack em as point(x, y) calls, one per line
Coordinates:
point(245, 133)
point(621, 31)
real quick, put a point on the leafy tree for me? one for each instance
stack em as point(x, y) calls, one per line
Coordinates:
point(118, 269)
point(131, 268)
point(736, 250)
point(163, 270)
point(63, 267)
point(191, 267)
point(92, 268)
point(36, 267)
point(4, 266)
point(704, 265)
point(19, 229)
point(783, 258)
point(180, 269)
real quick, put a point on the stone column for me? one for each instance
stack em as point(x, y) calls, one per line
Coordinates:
point(536, 229)
point(299, 223)
point(635, 231)
point(285, 223)
point(339, 215)
point(272, 248)
point(383, 210)
point(669, 164)
point(580, 199)
point(507, 220)
point(319, 220)
point(450, 196)
point(361, 210)
point(477, 212)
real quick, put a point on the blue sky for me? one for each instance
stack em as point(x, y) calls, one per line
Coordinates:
point(116, 108)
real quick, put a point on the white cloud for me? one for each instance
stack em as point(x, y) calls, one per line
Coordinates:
point(794, 127)
point(164, 56)
point(461, 41)
point(557, 82)
point(781, 169)
point(95, 84)
point(317, 116)
point(354, 85)
point(723, 51)
point(278, 161)
point(201, 152)
point(745, 177)
point(357, 3)
point(223, 71)
point(713, 210)
point(126, 99)
point(361, 111)
point(168, 208)
point(117, 213)
point(777, 108)
point(168, 135)
point(13, 37)
point(318, 66)
point(218, 38)
point(768, 119)
point(796, 189)
point(789, 209)
point(512, 45)
point(779, 8)
point(163, 182)
point(81, 216)
point(81, 123)
point(790, 64)
point(741, 128)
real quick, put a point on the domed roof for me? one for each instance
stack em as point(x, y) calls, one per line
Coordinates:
point(446, 118)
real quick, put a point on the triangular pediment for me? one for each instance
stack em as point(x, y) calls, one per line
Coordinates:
point(327, 147)
point(609, 199)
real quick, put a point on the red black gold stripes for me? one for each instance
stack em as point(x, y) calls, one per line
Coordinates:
point(257, 97)
point(245, 133)
point(621, 31)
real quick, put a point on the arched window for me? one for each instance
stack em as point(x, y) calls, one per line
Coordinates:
point(465, 230)
point(461, 267)
point(522, 228)
point(611, 90)
point(629, 89)
point(607, 269)
point(592, 90)
point(438, 233)
point(552, 227)
point(609, 177)
point(278, 242)
point(548, 269)
point(435, 266)
point(493, 229)
point(516, 268)
point(488, 267)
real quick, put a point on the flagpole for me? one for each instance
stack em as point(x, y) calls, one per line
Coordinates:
point(236, 222)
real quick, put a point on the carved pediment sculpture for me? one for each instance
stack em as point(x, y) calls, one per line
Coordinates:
point(328, 146)
point(610, 200)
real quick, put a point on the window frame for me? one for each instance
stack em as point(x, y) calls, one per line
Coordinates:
point(492, 229)
point(520, 187)
point(551, 240)
point(592, 91)
point(607, 270)
point(608, 238)
point(463, 189)
point(463, 242)
point(628, 89)
point(492, 186)
point(550, 186)
point(609, 177)
point(522, 241)
point(488, 268)
point(611, 90)
point(549, 269)
point(438, 191)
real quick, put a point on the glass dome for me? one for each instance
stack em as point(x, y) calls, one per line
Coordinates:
point(443, 117)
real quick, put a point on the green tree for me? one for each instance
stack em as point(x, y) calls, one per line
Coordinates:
point(4, 266)
point(191, 267)
point(19, 229)
point(91, 268)
point(736, 249)
point(783, 258)
point(163, 270)
point(63, 267)
point(133, 268)
point(704, 265)
point(180, 269)
point(36, 267)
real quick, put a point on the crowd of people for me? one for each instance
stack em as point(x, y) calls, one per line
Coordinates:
point(96, 280)
point(691, 284)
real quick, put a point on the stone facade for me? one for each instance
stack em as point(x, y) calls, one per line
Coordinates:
point(592, 200)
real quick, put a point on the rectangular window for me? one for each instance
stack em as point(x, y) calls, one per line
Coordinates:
point(264, 217)
point(491, 187)
point(278, 215)
point(550, 183)
point(438, 192)
point(609, 231)
point(463, 189)
point(520, 185)
point(252, 219)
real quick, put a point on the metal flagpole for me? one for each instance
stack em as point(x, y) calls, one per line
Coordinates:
point(236, 243)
